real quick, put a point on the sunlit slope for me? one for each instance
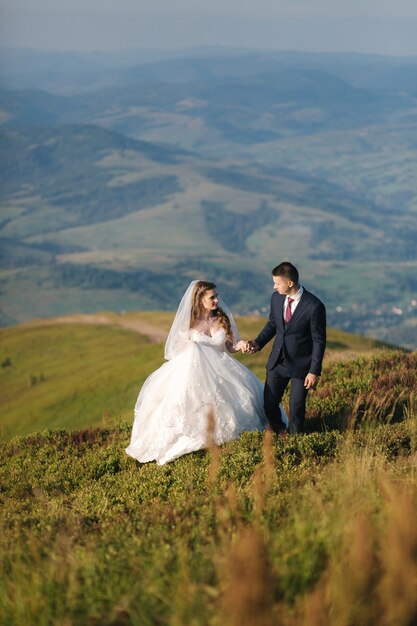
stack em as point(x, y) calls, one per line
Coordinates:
point(75, 372)
point(70, 376)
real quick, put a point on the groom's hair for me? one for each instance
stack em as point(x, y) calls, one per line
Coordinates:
point(286, 270)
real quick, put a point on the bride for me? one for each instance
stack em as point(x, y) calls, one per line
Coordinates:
point(171, 412)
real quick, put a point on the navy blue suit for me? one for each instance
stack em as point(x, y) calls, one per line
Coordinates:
point(298, 349)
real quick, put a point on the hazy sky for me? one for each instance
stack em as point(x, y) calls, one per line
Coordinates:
point(381, 26)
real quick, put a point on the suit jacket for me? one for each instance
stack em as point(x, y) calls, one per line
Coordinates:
point(302, 340)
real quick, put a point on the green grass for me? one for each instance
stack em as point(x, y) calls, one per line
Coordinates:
point(309, 530)
point(89, 536)
point(73, 375)
point(69, 376)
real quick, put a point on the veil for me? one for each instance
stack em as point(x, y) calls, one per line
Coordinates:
point(179, 335)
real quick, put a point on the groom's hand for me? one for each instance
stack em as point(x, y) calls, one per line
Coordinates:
point(252, 347)
point(311, 381)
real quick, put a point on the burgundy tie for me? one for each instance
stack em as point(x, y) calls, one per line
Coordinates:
point(288, 311)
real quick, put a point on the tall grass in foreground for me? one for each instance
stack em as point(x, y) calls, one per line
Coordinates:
point(311, 530)
point(363, 514)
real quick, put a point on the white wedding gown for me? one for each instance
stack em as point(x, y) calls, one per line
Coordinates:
point(173, 405)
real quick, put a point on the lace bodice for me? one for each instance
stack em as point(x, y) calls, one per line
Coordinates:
point(218, 340)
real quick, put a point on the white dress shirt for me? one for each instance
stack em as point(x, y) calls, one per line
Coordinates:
point(296, 299)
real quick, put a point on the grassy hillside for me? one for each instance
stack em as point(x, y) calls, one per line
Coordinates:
point(303, 531)
point(311, 530)
point(73, 375)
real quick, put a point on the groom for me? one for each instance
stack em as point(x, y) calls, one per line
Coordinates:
point(297, 320)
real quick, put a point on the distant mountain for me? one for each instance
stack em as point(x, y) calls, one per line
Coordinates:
point(26, 68)
point(32, 108)
point(242, 110)
point(129, 180)
point(243, 98)
point(61, 166)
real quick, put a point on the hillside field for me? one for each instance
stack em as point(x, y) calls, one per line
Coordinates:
point(74, 375)
point(309, 530)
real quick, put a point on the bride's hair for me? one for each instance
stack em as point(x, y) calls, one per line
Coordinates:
point(201, 287)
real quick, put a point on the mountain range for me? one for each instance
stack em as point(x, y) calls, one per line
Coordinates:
point(125, 175)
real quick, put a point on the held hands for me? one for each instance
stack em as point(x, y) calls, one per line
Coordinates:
point(248, 347)
point(252, 347)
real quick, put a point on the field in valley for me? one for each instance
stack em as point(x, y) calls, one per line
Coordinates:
point(119, 188)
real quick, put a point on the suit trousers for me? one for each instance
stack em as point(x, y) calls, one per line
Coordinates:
point(277, 380)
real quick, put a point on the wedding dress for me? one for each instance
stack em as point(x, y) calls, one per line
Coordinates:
point(171, 412)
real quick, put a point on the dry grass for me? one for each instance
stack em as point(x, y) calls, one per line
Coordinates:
point(371, 573)
point(247, 591)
